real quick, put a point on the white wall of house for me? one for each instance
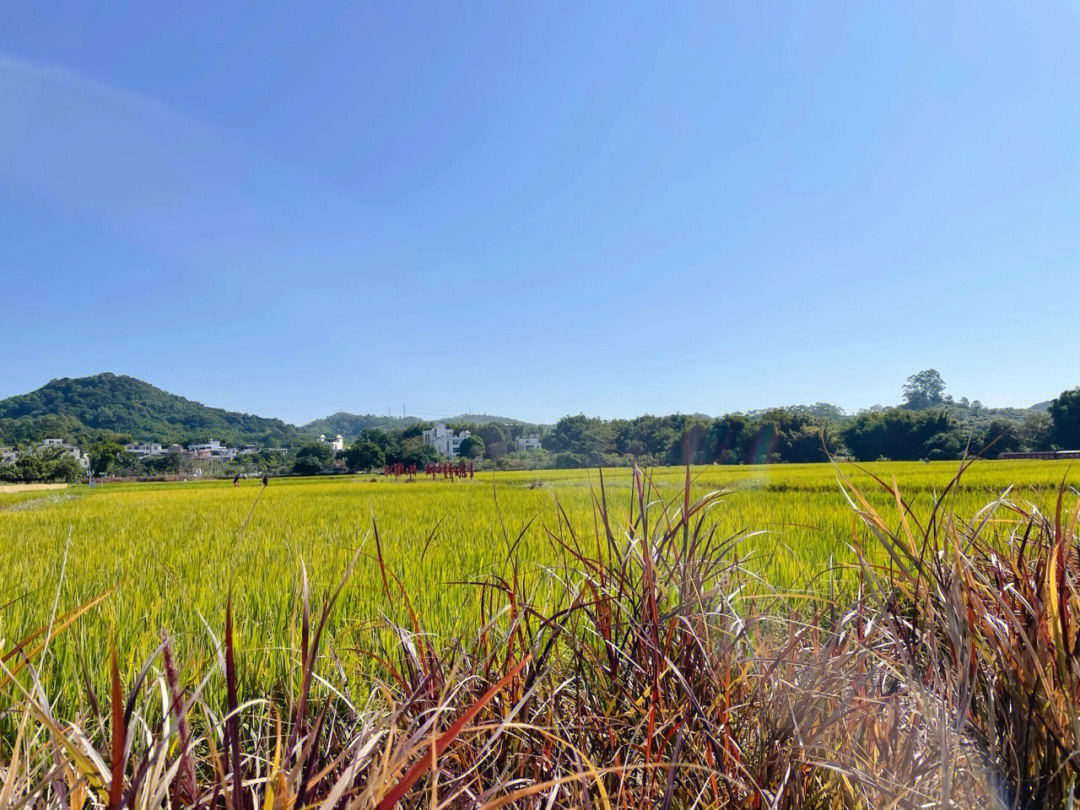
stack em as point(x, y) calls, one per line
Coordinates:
point(444, 440)
point(337, 444)
point(145, 449)
point(213, 449)
point(65, 450)
point(530, 442)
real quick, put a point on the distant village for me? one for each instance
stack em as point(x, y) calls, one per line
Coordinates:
point(445, 441)
point(210, 450)
point(57, 448)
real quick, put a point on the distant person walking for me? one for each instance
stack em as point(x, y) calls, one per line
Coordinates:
point(266, 480)
point(236, 481)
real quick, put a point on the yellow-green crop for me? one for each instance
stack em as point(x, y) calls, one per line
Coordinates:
point(174, 551)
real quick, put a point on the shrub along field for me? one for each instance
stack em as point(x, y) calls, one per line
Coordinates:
point(169, 554)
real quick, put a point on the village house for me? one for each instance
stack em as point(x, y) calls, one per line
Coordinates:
point(8, 455)
point(444, 440)
point(337, 444)
point(213, 449)
point(145, 449)
point(65, 450)
point(530, 442)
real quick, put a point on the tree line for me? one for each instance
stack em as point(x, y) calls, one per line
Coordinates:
point(48, 467)
point(928, 425)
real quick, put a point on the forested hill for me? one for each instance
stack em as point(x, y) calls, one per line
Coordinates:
point(84, 408)
point(351, 425)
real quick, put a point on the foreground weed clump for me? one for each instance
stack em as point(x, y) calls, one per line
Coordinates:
point(661, 673)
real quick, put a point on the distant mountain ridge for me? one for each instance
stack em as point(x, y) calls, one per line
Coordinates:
point(85, 408)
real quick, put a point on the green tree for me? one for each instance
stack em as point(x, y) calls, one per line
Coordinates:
point(168, 463)
point(312, 458)
point(689, 446)
point(1065, 412)
point(496, 437)
point(29, 468)
point(103, 455)
point(727, 439)
point(125, 462)
point(1036, 431)
point(902, 434)
point(381, 439)
point(307, 466)
point(924, 390)
point(1001, 436)
point(363, 456)
point(472, 447)
point(66, 470)
point(414, 451)
point(589, 439)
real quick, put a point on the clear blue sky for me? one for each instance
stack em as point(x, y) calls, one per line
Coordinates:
point(534, 210)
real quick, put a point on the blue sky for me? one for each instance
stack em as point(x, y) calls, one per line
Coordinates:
point(541, 209)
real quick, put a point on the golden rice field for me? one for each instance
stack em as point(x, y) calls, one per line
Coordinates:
point(171, 552)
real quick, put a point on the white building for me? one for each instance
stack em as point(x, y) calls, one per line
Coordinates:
point(145, 449)
point(8, 455)
point(337, 444)
point(64, 450)
point(213, 449)
point(444, 440)
point(530, 442)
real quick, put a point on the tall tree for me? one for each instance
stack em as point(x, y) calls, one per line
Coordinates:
point(364, 455)
point(924, 390)
point(472, 447)
point(313, 458)
point(1065, 411)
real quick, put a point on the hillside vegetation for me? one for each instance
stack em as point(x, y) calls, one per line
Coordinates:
point(86, 408)
point(929, 424)
point(351, 425)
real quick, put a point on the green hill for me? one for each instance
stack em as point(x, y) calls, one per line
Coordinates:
point(351, 425)
point(84, 408)
point(481, 419)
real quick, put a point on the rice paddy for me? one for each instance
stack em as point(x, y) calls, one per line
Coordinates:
point(496, 640)
point(169, 554)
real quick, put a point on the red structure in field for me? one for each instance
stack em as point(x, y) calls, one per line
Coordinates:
point(446, 469)
point(449, 470)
